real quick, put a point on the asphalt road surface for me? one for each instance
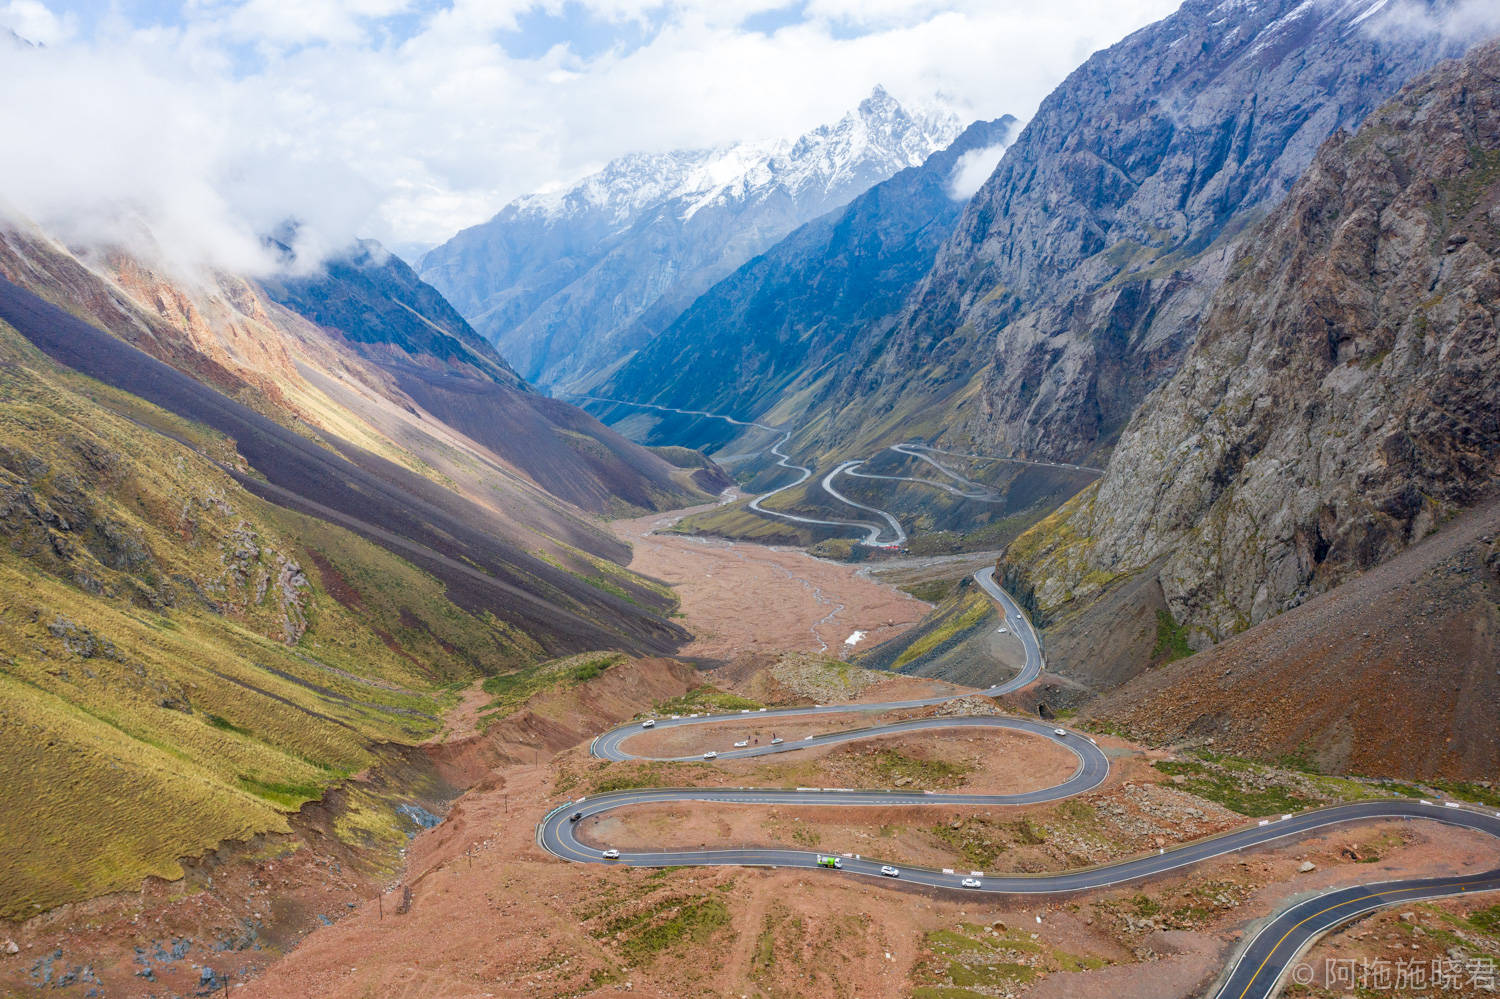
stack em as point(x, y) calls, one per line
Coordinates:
point(872, 531)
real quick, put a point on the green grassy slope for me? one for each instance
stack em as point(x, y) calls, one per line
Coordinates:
point(181, 662)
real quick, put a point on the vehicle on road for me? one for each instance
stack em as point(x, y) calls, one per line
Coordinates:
point(777, 741)
point(611, 854)
point(742, 744)
point(890, 871)
point(649, 723)
point(1059, 731)
point(972, 883)
point(830, 862)
point(710, 755)
point(575, 816)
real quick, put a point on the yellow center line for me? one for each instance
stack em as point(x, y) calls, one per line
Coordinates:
point(1351, 901)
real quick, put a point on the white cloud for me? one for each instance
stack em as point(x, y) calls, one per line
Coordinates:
point(973, 169)
point(279, 22)
point(1463, 20)
point(248, 112)
point(34, 22)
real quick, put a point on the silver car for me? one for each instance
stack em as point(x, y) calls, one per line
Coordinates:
point(972, 883)
point(890, 871)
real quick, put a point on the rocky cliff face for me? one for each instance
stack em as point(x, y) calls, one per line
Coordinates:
point(1078, 274)
point(1343, 397)
point(1344, 681)
point(783, 318)
point(568, 284)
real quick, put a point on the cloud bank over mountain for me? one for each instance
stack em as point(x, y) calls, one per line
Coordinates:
point(215, 123)
point(973, 169)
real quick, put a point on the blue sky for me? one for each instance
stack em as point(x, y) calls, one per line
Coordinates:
point(409, 119)
point(585, 29)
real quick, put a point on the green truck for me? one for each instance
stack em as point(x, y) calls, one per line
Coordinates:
point(830, 862)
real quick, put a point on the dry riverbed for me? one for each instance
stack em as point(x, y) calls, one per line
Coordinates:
point(739, 597)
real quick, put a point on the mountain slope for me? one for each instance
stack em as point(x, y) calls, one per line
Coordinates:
point(568, 284)
point(413, 517)
point(390, 317)
point(785, 316)
point(182, 662)
point(384, 326)
point(379, 304)
point(1390, 674)
point(1342, 399)
point(240, 561)
point(1074, 282)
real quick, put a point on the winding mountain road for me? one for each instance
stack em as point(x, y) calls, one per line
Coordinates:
point(1261, 961)
point(874, 532)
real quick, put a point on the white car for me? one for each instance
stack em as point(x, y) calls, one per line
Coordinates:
point(972, 883)
point(649, 723)
point(710, 755)
point(777, 741)
point(890, 871)
point(1002, 630)
point(807, 738)
point(1059, 731)
point(611, 854)
point(742, 744)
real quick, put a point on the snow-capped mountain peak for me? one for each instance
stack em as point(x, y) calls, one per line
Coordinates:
point(567, 282)
point(877, 138)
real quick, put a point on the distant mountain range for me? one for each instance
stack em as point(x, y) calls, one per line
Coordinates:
point(1074, 281)
point(569, 283)
point(787, 319)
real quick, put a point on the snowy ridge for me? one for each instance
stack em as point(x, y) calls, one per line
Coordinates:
point(878, 137)
point(569, 282)
point(1348, 13)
